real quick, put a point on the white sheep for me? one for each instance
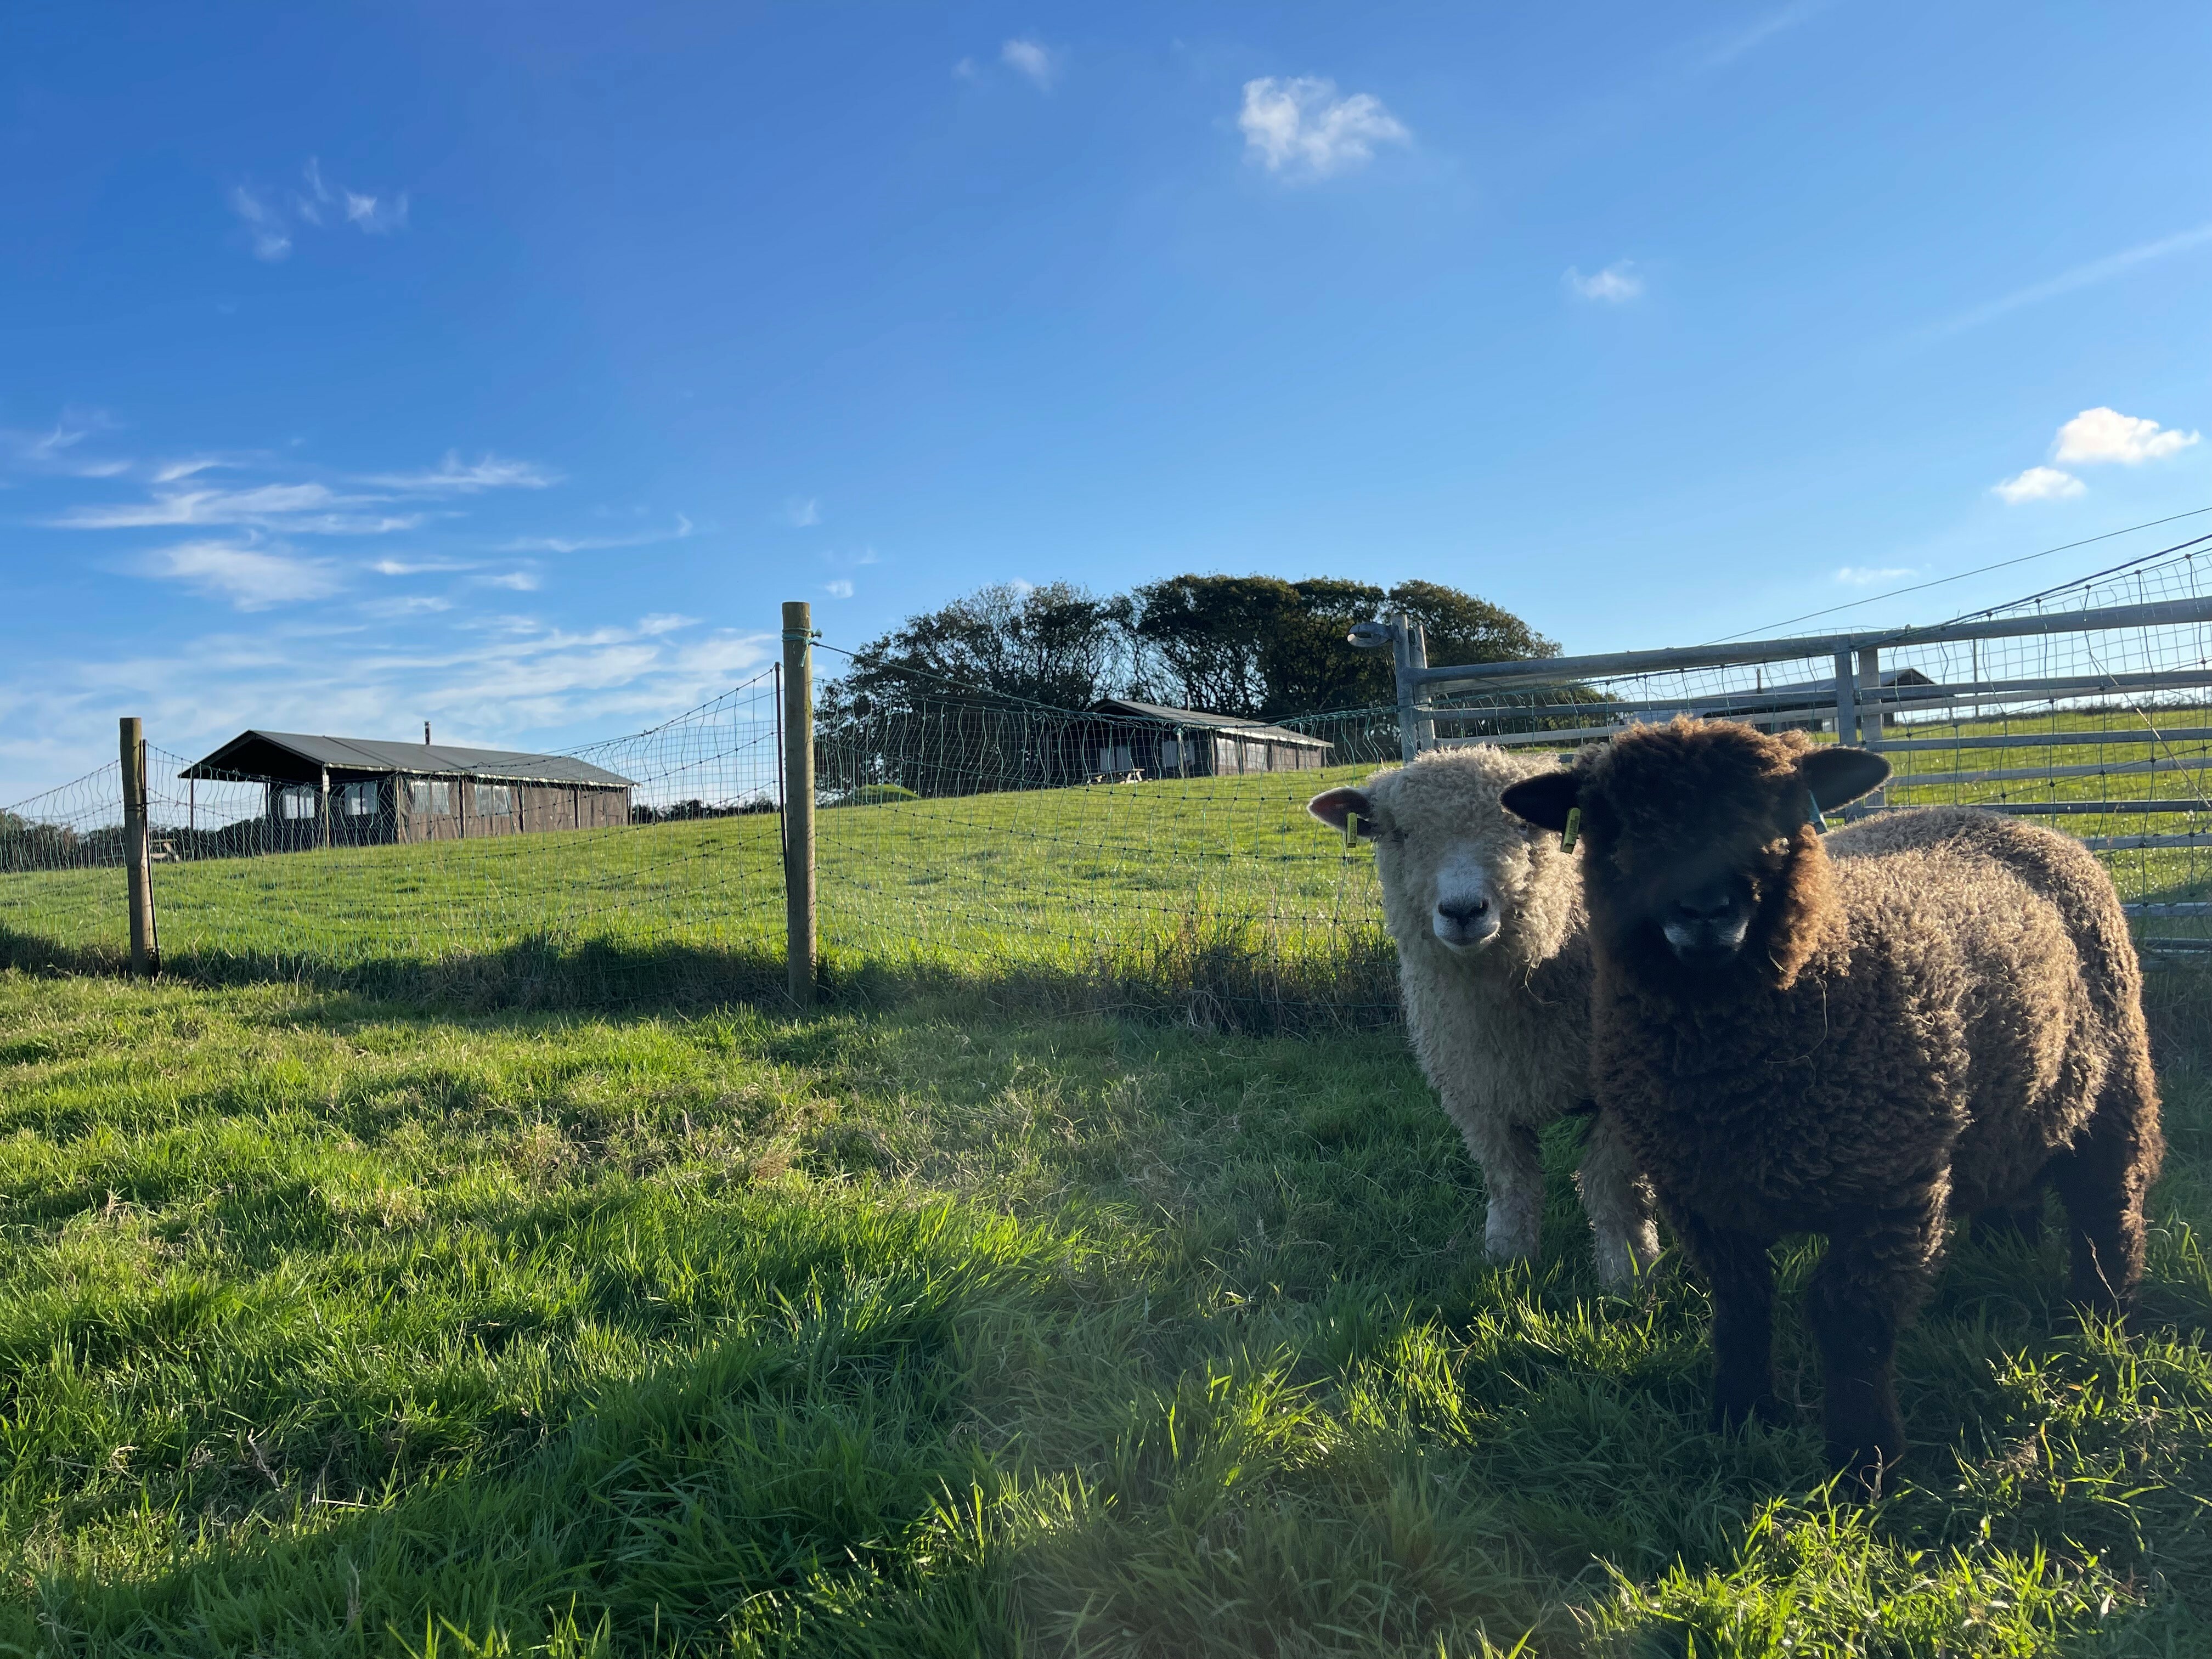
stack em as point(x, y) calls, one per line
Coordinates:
point(1494, 964)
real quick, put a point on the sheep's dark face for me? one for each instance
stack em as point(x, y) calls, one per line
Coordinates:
point(1701, 861)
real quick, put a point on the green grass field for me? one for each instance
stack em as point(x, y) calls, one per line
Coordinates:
point(1133, 892)
point(1215, 894)
point(335, 1326)
point(454, 1261)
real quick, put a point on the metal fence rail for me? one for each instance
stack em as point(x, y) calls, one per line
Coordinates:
point(2090, 705)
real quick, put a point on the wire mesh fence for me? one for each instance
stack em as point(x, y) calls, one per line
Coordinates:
point(1131, 861)
point(1124, 856)
point(495, 884)
point(2088, 706)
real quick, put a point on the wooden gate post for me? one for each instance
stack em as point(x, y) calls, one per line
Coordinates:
point(799, 799)
point(137, 851)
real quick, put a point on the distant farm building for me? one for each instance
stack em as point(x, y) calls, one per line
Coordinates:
point(1148, 739)
point(359, 792)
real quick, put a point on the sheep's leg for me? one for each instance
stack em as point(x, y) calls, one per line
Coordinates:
point(1513, 1174)
point(1740, 1274)
point(1868, 1284)
point(2102, 1181)
point(1618, 1201)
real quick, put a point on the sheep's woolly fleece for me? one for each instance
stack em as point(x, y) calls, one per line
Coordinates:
point(1502, 1033)
point(1931, 1012)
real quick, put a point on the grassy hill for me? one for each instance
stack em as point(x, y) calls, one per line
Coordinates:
point(1221, 891)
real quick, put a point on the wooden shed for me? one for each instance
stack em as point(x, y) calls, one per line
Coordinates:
point(361, 792)
point(1150, 740)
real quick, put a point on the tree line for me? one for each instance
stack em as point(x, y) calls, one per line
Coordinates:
point(1256, 647)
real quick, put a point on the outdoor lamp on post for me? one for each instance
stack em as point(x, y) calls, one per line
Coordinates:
point(1409, 652)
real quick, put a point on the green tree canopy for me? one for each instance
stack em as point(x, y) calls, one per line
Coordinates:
point(1258, 647)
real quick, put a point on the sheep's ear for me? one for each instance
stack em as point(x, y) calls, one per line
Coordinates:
point(1333, 806)
point(1839, 775)
point(1543, 800)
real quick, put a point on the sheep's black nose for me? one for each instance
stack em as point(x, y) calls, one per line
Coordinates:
point(1464, 909)
point(1712, 905)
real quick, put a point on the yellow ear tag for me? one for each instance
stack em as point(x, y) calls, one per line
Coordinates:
point(1574, 829)
point(1351, 829)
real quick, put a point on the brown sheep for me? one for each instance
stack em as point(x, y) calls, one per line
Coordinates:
point(1932, 1013)
point(1495, 971)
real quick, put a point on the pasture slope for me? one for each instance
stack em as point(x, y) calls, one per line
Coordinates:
point(335, 1326)
point(1134, 885)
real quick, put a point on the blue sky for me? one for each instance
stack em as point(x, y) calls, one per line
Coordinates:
point(505, 365)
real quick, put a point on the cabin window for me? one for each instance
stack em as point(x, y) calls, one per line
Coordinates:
point(297, 802)
point(358, 800)
point(430, 798)
point(494, 800)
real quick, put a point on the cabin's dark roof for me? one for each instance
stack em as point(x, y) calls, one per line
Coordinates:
point(1230, 723)
point(298, 756)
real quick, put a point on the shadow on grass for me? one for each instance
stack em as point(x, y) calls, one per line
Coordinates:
point(935, 1433)
point(1221, 975)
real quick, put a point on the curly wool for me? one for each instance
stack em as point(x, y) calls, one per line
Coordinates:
point(1932, 1012)
point(1502, 1034)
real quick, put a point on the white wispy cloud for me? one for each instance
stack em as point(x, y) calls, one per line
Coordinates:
point(380, 670)
point(1861, 575)
point(55, 451)
point(1762, 30)
point(271, 217)
point(452, 476)
point(2081, 276)
point(192, 467)
point(2039, 483)
point(377, 214)
point(519, 581)
point(838, 589)
point(1615, 285)
point(2104, 435)
point(392, 502)
point(302, 508)
point(1301, 128)
point(251, 578)
point(264, 223)
point(802, 511)
point(681, 529)
point(417, 567)
point(1033, 58)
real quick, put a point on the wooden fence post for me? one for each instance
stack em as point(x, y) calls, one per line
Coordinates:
point(137, 851)
point(799, 798)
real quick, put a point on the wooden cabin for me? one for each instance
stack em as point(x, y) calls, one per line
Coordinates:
point(1149, 740)
point(362, 792)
